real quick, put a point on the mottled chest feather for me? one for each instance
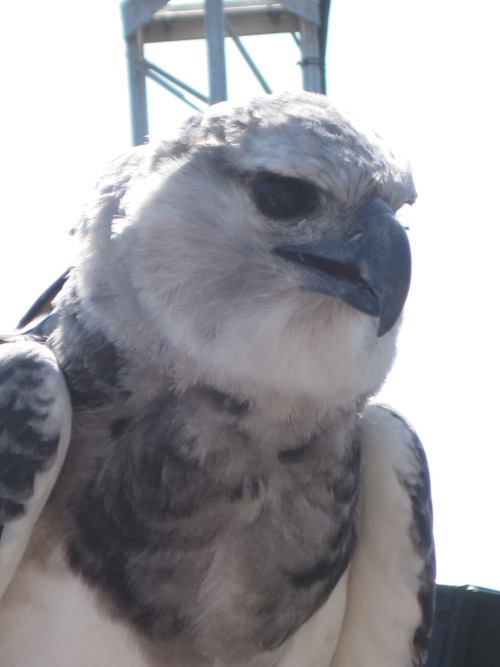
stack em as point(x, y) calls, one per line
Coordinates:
point(200, 528)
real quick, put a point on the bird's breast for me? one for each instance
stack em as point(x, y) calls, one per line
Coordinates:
point(195, 530)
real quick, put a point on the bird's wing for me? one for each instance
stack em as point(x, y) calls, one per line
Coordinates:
point(35, 425)
point(390, 592)
point(43, 305)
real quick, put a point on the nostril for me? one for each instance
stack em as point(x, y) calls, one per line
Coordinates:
point(355, 235)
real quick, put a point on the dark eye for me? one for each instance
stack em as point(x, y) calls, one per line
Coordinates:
point(283, 197)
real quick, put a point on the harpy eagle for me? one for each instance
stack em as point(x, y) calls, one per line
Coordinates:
point(191, 471)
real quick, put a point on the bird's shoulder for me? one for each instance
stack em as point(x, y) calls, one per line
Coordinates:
point(390, 594)
point(35, 426)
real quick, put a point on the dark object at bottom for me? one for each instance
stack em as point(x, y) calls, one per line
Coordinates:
point(466, 628)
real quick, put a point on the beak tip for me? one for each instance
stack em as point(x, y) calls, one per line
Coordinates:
point(383, 328)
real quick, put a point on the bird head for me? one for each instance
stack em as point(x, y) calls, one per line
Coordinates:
point(261, 245)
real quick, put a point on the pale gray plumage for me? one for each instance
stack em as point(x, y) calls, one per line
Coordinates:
point(234, 306)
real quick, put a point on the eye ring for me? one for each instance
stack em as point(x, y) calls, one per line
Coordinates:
point(283, 197)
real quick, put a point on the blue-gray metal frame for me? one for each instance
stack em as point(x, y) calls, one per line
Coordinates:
point(216, 54)
point(310, 18)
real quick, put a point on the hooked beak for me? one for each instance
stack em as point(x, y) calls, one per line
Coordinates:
point(369, 267)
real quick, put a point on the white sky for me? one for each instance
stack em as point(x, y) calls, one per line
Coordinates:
point(425, 75)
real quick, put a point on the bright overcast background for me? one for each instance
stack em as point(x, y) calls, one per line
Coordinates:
point(425, 75)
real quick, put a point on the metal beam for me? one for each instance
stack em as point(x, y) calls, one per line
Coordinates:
point(311, 62)
point(247, 58)
point(247, 18)
point(137, 89)
point(306, 9)
point(215, 34)
point(151, 67)
point(135, 13)
point(163, 81)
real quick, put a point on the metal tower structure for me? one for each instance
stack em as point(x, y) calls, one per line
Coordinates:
point(146, 21)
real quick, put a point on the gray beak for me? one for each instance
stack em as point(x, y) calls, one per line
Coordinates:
point(369, 267)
